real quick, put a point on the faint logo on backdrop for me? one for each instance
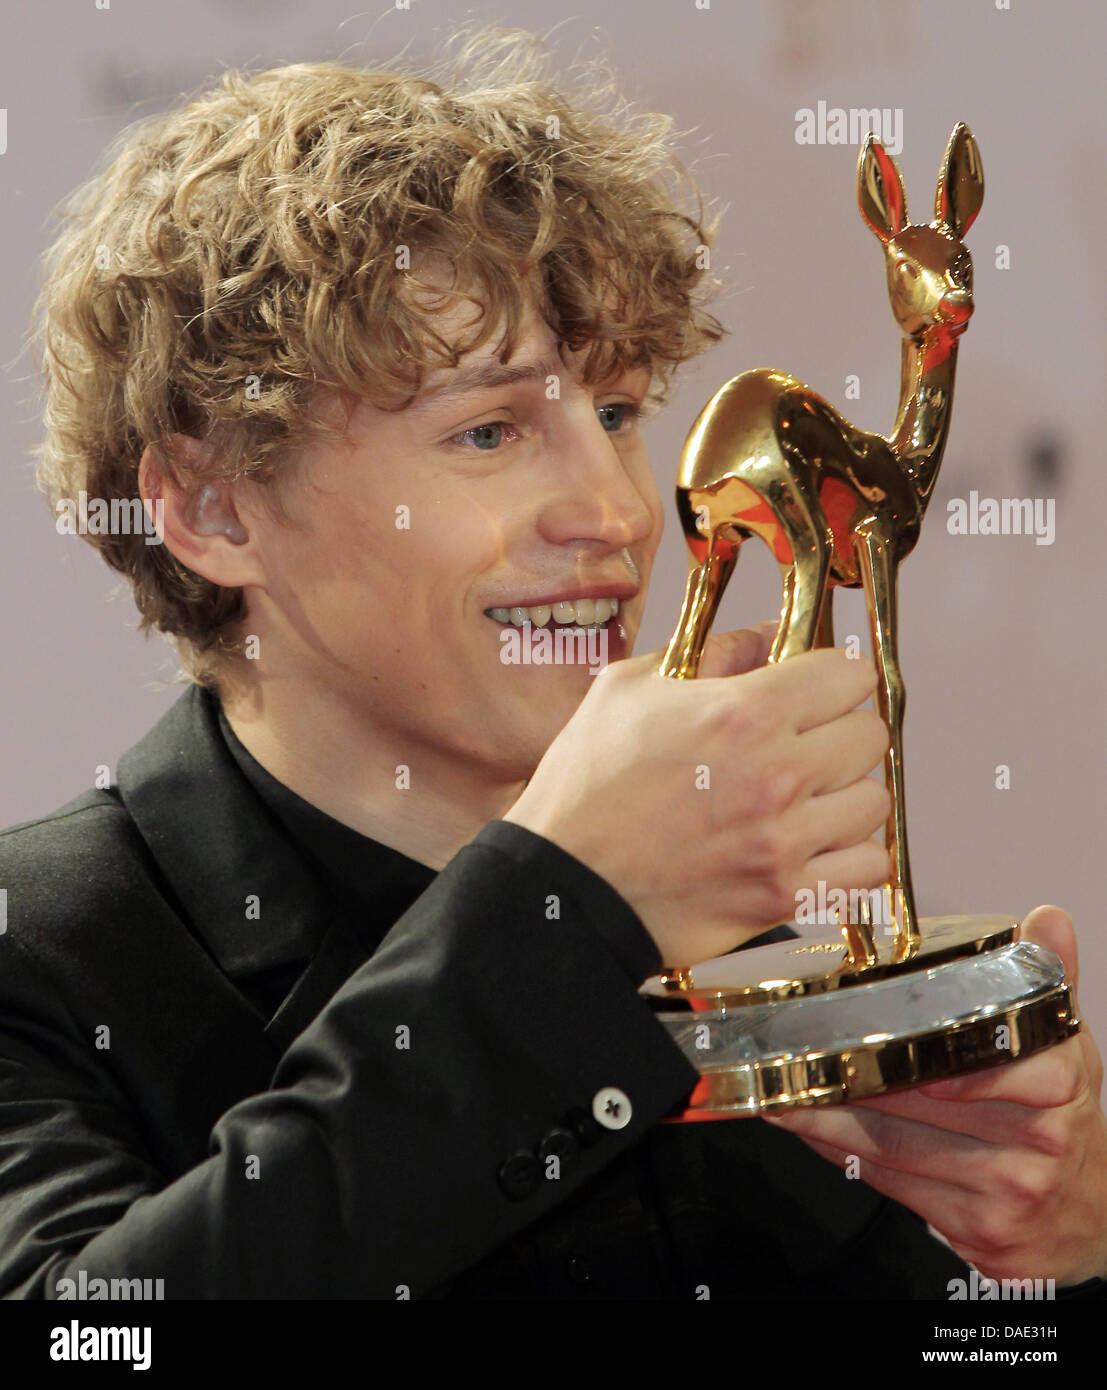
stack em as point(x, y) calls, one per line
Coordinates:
point(812, 35)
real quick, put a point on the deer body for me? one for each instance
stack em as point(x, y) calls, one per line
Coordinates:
point(769, 457)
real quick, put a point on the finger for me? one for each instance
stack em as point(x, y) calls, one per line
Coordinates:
point(814, 687)
point(993, 1121)
point(1047, 1079)
point(843, 752)
point(1053, 928)
point(866, 865)
point(735, 653)
point(950, 1209)
point(902, 1146)
point(842, 819)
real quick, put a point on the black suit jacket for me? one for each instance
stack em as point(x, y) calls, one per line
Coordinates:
point(154, 1123)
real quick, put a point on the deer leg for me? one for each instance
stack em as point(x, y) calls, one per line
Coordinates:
point(706, 585)
point(824, 637)
point(876, 559)
point(805, 578)
point(807, 622)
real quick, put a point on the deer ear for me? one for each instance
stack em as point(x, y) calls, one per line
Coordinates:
point(960, 182)
point(880, 194)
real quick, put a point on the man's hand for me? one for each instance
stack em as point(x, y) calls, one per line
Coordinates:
point(709, 804)
point(1010, 1165)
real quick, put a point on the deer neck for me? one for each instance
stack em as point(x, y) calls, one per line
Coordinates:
point(918, 439)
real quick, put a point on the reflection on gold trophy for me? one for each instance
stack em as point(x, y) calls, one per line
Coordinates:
point(777, 1026)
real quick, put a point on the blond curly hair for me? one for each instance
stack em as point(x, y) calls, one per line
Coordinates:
point(252, 233)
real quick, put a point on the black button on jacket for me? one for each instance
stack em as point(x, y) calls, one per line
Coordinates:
point(254, 1054)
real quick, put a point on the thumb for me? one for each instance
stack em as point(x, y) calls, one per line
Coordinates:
point(735, 653)
point(1051, 927)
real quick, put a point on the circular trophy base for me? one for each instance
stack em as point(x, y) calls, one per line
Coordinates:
point(905, 1028)
point(814, 965)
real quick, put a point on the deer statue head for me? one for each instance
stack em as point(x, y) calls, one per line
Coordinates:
point(928, 266)
point(929, 274)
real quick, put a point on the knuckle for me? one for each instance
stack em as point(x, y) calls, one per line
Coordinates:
point(764, 891)
point(992, 1238)
point(776, 787)
point(769, 879)
point(878, 801)
point(875, 732)
point(753, 716)
point(1052, 1134)
point(1066, 1078)
point(874, 865)
point(993, 1226)
point(1020, 1183)
point(1027, 1185)
point(777, 901)
point(769, 850)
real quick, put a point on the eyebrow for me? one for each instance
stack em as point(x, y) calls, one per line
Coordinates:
point(484, 378)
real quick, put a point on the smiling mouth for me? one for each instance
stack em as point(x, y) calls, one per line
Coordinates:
point(581, 612)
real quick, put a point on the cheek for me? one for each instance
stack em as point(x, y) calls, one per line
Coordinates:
point(455, 539)
point(408, 564)
point(333, 569)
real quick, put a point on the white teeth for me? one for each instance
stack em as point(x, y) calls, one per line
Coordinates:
point(584, 612)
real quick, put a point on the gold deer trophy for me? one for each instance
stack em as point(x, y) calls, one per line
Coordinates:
point(777, 1026)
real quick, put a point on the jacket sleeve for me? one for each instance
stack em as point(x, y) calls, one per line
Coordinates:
point(406, 1133)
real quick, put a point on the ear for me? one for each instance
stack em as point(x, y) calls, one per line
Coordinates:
point(201, 525)
point(960, 182)
point(880, 194)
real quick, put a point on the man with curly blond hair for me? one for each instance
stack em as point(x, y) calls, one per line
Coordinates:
point(335, 992)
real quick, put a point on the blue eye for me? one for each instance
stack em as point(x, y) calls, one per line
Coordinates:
point(614, 416)
point(488, 436)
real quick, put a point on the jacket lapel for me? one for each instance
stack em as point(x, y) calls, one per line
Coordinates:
point(235, 877)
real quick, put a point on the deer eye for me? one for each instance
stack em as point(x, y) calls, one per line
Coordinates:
point(908, 268)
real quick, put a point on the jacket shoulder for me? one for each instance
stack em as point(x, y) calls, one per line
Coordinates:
point(54, 853)
point(71, 870)
point(91, 800)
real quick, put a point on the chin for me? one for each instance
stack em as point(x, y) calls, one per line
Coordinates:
point(522, 735)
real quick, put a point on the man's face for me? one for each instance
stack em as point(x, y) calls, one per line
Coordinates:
point(485, 494)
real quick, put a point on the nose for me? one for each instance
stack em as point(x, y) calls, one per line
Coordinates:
point(602, 493)
point(955, 309)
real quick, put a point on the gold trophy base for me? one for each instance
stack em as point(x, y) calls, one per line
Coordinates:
point(795, 1024)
